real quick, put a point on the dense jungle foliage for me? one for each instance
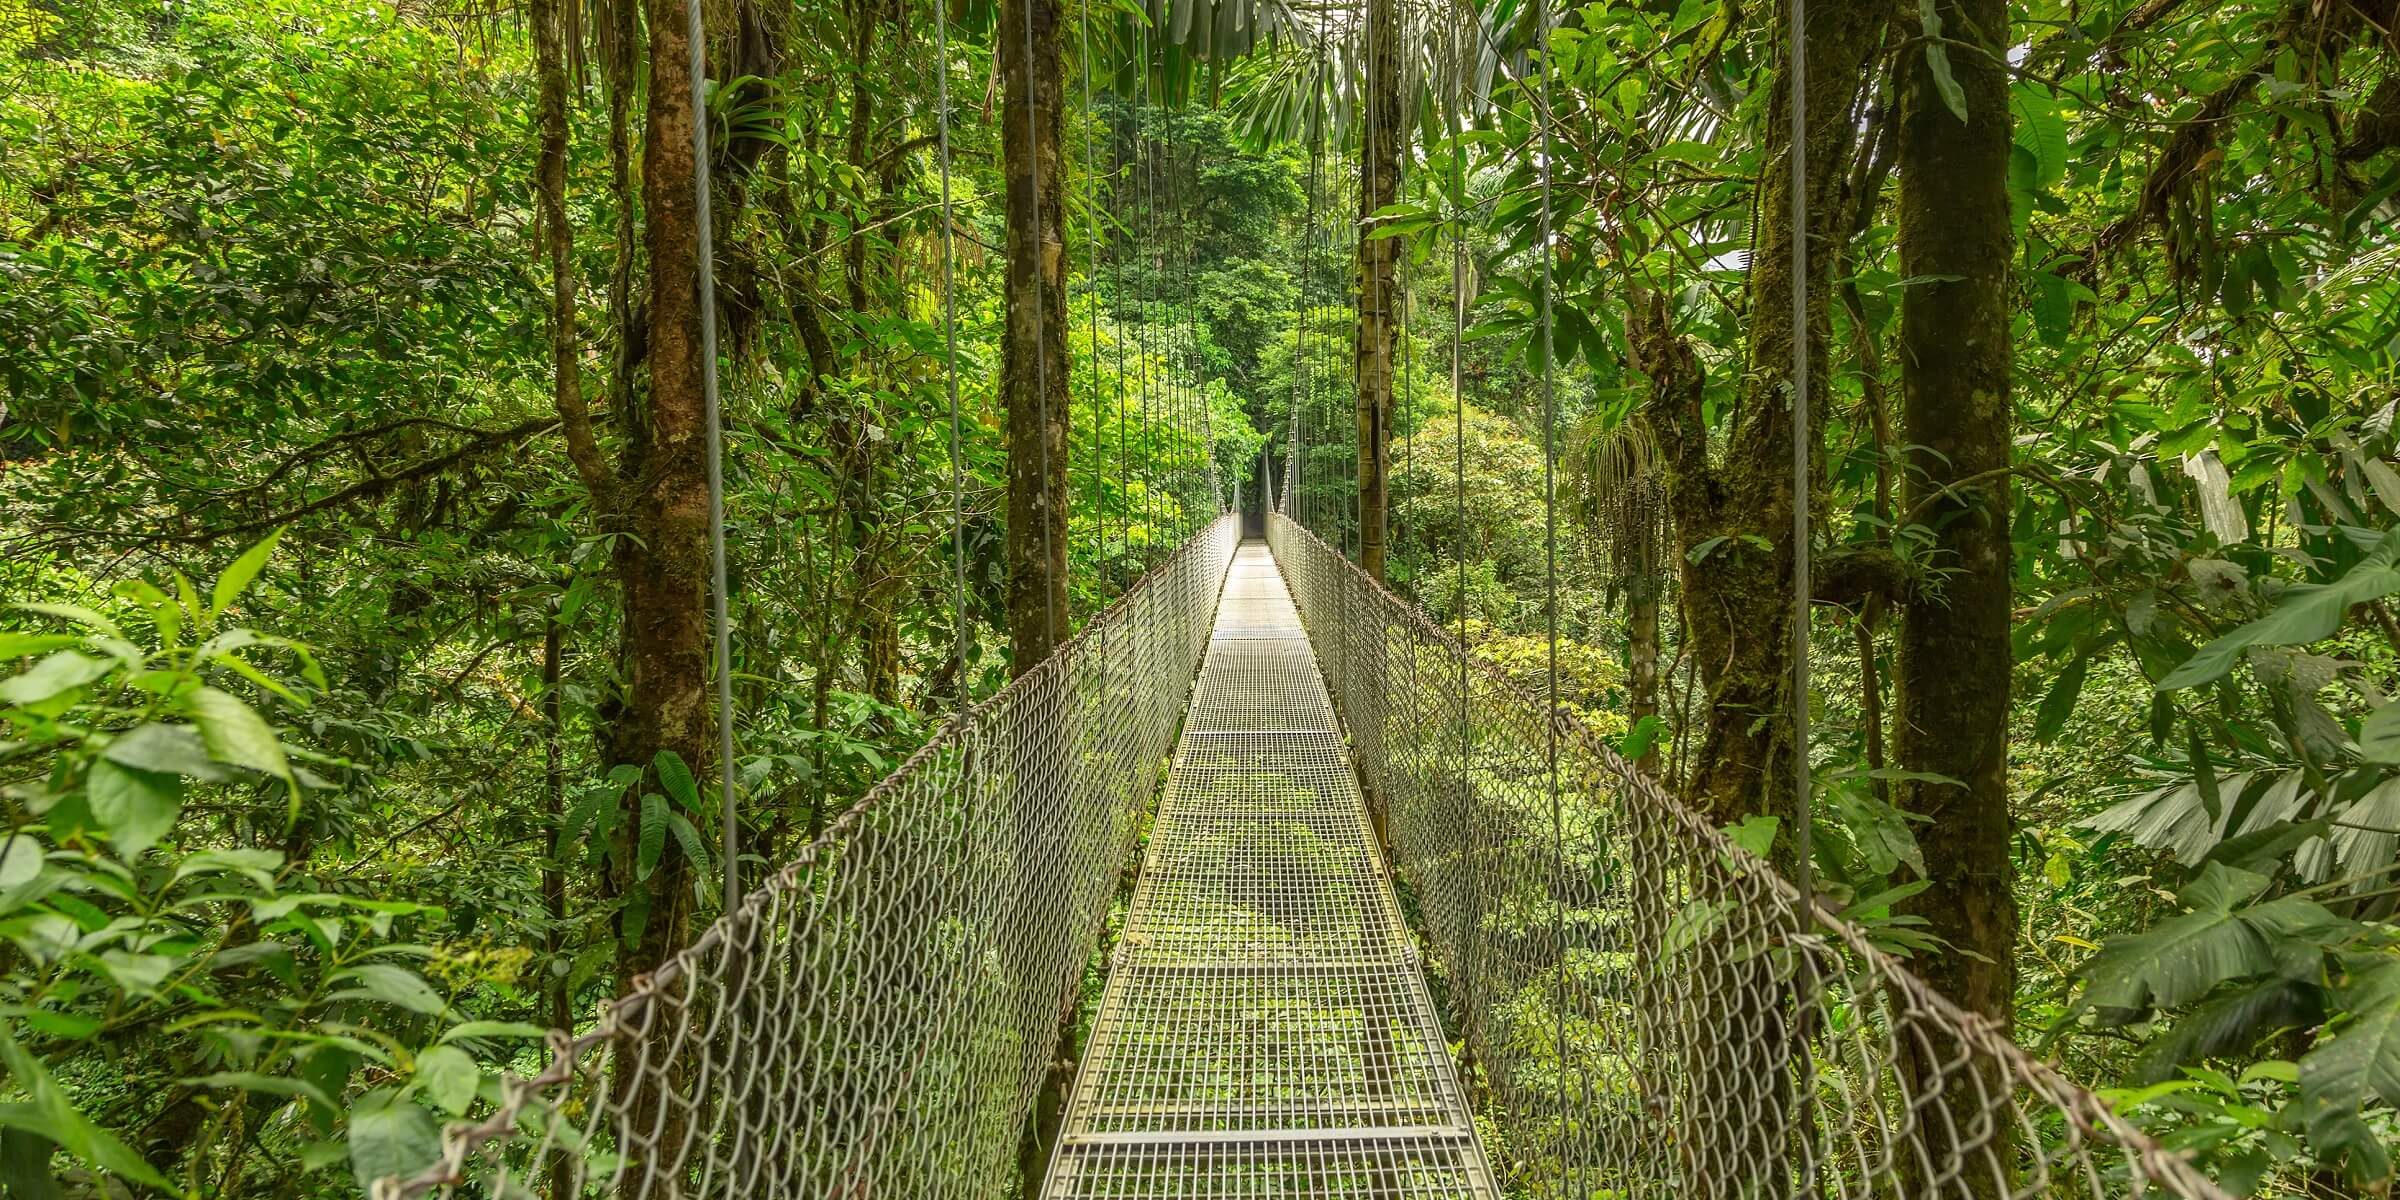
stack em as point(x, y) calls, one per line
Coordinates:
point(352, 520)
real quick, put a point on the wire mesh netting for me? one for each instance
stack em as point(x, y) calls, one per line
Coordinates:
point(1266, 1030)
point(1646, 1009)
point(875, 1020)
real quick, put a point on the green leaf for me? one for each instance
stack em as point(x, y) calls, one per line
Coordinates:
point(59, 672)
point(141, 974)
point(238, 576)
point(47, 1113)
point(2379, 735)
point(448, 1077)
point(2059, 702)
point(1937, 60)
point(167, 749)
point(2040, 129)
point(471, 1030)
point(2361, 1062)
point(1641, 737)
point(689, 839)
point(78, 614)
point(137, 808)
point(390, 1137)
point(1755, 835)
point(235, 733)
point(676, 778)
point(2181, 959)
point(653, 839)
point(394, 985)
point(2305, 613)
point(21, 645)
point(258, 866)
point(25, 1166)
point(20, 858)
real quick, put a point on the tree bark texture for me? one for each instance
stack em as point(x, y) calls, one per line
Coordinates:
point(1034, 384)
point(1951, 668)
point(1742, 586)
point(1379, 329)
point(1034, 350)
point(1733, 1091)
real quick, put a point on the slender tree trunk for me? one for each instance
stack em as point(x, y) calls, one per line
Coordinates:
point(1641, 620)
point(663, 567)
point(1953, 660)
point(1742, 586)
point(1034, 385)
point(1034, 350)
point(1378, 298)
point(1736, 1102)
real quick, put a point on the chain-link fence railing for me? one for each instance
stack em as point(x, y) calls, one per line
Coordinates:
point(875, 1019)
point(1645, 1008)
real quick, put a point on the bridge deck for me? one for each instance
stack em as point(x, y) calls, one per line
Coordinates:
point(1265, 1031)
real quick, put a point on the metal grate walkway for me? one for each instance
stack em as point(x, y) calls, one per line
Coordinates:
point(1265, 1031)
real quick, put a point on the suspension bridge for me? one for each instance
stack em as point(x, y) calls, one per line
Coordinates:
point(1599, 995)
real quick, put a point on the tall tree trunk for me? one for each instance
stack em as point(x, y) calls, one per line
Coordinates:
point(1952, 665)
point(1736, 1101)
point(1378, 298)
point(1034, 350)
point(1034, 384)
point(1742, 586)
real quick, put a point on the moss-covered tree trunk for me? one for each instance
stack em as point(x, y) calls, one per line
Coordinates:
point(1034, 349)
point(1379, 329)
point(1953, 659)
point(1034, 386)
point(1742, 586)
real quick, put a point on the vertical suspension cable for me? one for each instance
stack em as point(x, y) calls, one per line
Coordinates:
point(958, 486)
point(1147, 353)
point(1558, 821)
point(1091, 295)
point(1802, 801)
point(729, 811)
point(1054, 629)
point(1116, 266)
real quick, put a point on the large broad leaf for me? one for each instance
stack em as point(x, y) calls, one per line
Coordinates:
point(57, 673)
point(394, 985)
point(2178, 820)
point(2358, 1064)
point(168, 749)
point(137, 808)
point(235, 733)
point(676, 777)
point(2182, 959)
point(2305, 613)
point(447, 1076)
point(653, 838)
point(2379, 735)
point(390, 1136)
point(238, 576)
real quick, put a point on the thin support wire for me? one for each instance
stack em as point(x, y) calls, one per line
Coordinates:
point(958, 477)
point(1802, 799)
point(1558, 817)
point(729, 815)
